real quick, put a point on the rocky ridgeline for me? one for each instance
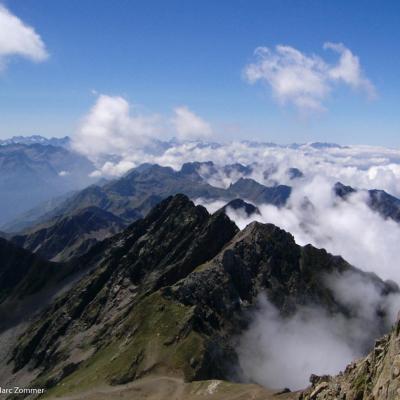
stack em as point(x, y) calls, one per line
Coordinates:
point(168, 296)
point(375, 377)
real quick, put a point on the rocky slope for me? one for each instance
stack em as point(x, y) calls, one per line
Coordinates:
point(167, 297)
point(375, 377)
point(20, 271)
point(71, 236)
point(28, 283)
point(251, 190)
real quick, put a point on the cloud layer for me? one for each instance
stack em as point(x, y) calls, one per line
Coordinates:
point(18, 39)
point(360, 166)
point(189, 126)
point(305, 81)
point(280, 352)
point(283, 352)
point(111, 129)
point(347, 228)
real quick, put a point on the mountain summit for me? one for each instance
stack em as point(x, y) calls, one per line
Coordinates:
point(167, 297)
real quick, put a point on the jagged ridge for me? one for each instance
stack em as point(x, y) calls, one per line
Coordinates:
point(168, 295)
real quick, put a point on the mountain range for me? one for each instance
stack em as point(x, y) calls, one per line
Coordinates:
point(164, 300)
point(100, 211)
point(72, 224)
point(126, 288)
point(47, 168)
point(37, 139)
point(33, 173)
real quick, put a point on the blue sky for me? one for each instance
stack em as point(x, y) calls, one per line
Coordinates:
point(162, 54)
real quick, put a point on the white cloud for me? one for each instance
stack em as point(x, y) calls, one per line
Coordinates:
point(313, 340)
point(19, 39)
point(111, 129)
point(116, 137)
point(190, 126)
point(305, 81)
point(360, 166)
point(282, 352)
point(293, 77)
point(113, 168)
point(349, 70)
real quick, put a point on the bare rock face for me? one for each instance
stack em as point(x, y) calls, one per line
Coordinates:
point(375, 377)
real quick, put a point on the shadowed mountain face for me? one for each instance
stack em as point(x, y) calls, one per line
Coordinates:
point(21, 272)
point(72, 235)
point(30, 174)
point(28, 283)
point(168, 295)
point(385, 204)
point(260, 194)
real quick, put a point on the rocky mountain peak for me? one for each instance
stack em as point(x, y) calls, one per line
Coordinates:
point(169, 295)
point(241, 205)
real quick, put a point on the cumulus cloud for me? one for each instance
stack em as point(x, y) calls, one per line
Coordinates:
point(111, 129)
point(190, 126)
point(278, 352)
point(349, 70)
point(19, 39)
point(116, 137)
point(305, 81)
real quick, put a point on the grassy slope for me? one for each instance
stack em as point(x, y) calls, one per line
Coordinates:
point(160, 345)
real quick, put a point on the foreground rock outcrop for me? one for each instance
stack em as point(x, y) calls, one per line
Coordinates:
point(375, 377)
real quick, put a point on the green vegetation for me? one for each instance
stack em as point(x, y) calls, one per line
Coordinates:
point(154, 338)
